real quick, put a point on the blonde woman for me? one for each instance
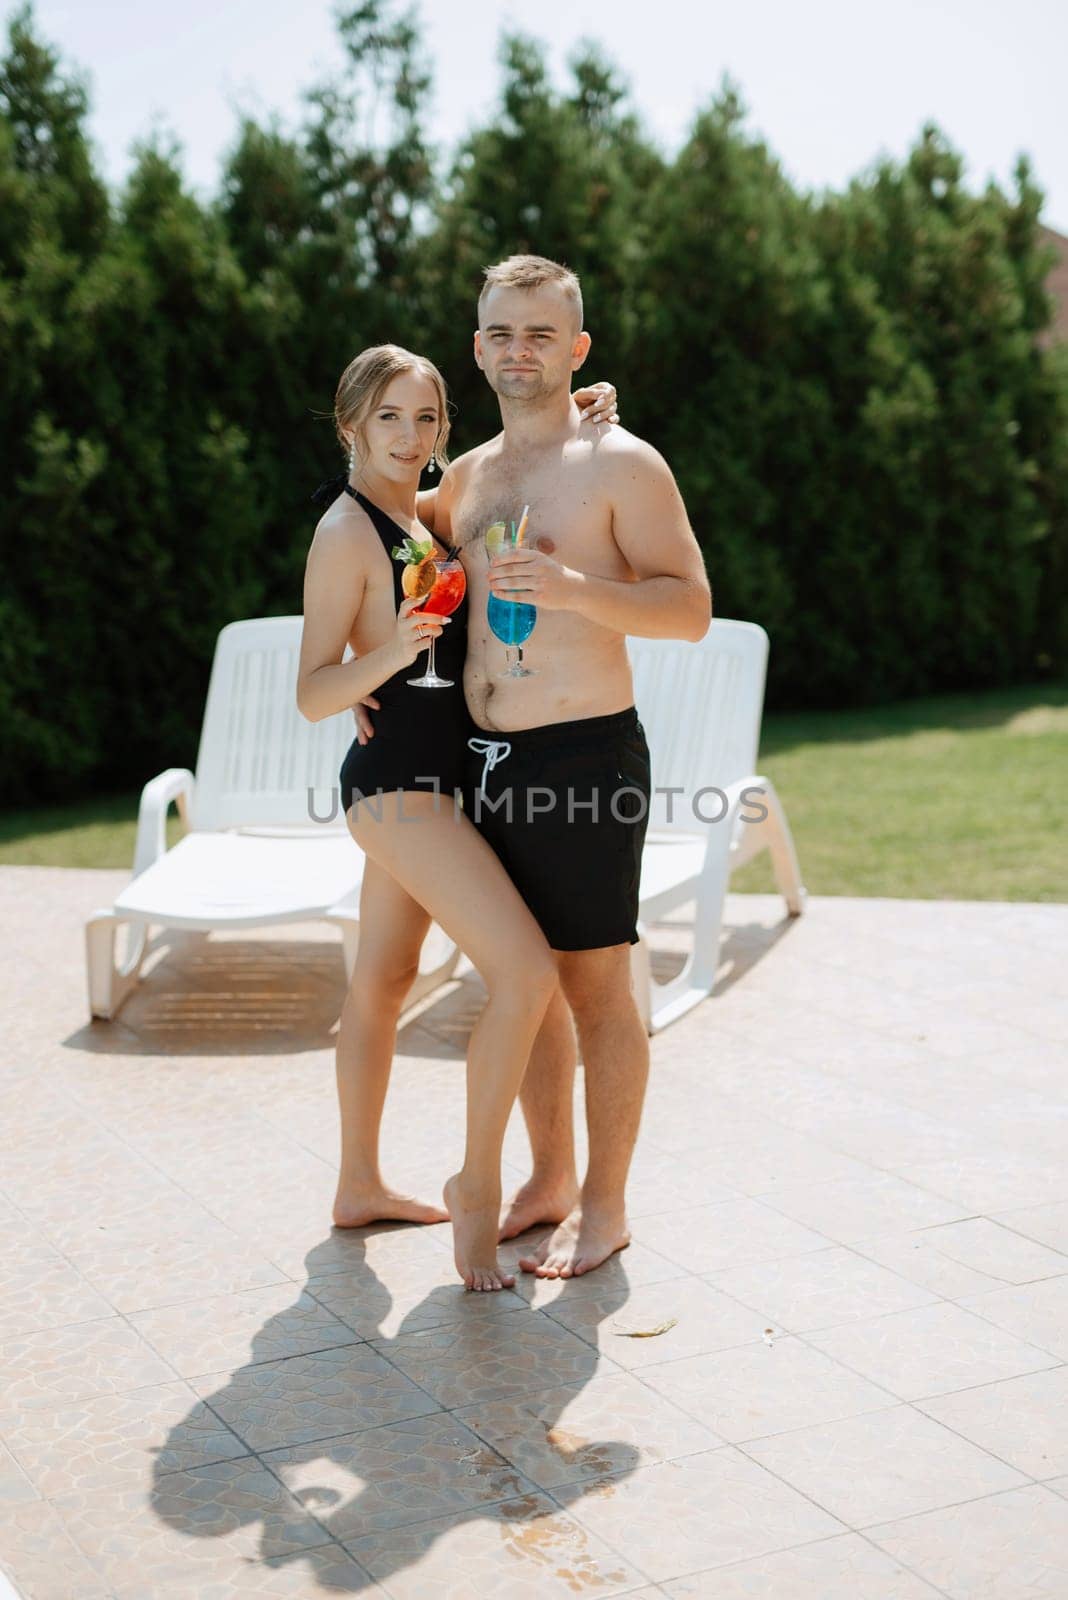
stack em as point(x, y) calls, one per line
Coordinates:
point(424, 863)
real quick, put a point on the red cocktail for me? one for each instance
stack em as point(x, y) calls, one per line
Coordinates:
point(450, 586)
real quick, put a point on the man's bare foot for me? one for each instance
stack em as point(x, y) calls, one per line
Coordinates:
point(537, 1202)
point(475, 1237)
point(582, 1241)
point(355, 1207)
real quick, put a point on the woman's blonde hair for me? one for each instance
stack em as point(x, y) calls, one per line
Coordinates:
point(365, 380)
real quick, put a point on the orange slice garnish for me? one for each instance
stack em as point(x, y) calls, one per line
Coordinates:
point(418, 579)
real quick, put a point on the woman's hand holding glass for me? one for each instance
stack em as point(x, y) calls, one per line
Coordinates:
point(414, 630)
point(449, 588)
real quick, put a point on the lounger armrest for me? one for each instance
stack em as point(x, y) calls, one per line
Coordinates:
point(174, 784)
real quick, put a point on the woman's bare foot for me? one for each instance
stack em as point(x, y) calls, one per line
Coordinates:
point(582, 1241)
point(357, 1205)
point(537, 1202)
point(475, 1236)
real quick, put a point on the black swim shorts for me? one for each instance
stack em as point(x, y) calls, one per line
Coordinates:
point(565, 807)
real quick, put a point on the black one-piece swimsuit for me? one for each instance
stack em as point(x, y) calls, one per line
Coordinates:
point(420, 735)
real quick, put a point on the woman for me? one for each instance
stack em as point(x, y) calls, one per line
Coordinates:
point(423, 861)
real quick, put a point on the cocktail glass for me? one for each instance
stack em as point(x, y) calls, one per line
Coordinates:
point(512, 621)
point(450, 585)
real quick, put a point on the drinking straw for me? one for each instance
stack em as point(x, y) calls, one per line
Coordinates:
point(522, 525)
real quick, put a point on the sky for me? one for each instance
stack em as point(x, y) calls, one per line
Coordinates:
point(830, 84)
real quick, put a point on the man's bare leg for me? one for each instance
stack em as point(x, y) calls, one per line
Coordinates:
point(547, 1099)
point(615, 1051)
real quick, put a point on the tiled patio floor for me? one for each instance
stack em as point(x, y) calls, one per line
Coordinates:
point(851, 1194)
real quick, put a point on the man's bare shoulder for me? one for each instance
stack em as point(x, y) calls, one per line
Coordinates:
point(622, 456)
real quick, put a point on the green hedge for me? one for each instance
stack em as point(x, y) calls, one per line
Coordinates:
point(851, 388)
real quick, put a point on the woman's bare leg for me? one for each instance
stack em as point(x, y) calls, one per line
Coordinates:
point(392, 929)
point(438, 857)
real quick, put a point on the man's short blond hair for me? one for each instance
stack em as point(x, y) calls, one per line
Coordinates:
point(532, 272)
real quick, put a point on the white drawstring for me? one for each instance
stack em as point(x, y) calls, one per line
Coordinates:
point(495, 751)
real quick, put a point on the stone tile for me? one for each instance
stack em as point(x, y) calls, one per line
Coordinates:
point(912, 1256)
point(903, 1136)
point(660, 1182)
point(780, 1159)
point(200, 1336)
point(45, 1292)
point(165, 1272)
point(384, 1478)
point(700, 1511)
point(894, 1462)
point(961, 1038)
point(1048, 1224)
point(19, 1239)
point(525, 1549)
point(854, 1210)
point(1011, 1546)
point(762, 1389)
point(118, 1439)
point(845, 1568)
point(62, 1364)
point(317, 1396)
point(40, 1173)
point(37, 1555)
point(187, 1524)
point(83, 1236)
point(633, 1268)
point(819, 1290)
point(416, 1294)
point(731, 1233)
point(469, 1361)
point(705, 1319)
point(310, 1252)
point(327, 1569)
point(788, 1080)
point(611, 1424)
point(100, 1200)
point(996, 1251)
point(992, 1181)
point(932, 1350)
point(1037, 1312)
point(44, 1114)
point(1022, 1420)
point(15, 1486)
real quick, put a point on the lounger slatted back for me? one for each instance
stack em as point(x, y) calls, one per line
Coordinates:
point(701, 707)
point(260, 762)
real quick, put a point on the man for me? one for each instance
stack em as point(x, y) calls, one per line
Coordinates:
point(609, 552)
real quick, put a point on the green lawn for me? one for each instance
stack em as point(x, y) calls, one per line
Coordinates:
point(959, 797)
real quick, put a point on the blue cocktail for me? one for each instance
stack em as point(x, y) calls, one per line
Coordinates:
point(512, 621)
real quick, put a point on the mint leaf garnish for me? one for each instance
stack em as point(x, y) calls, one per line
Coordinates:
point(411, 551)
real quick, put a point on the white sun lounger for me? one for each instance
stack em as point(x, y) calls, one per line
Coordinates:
point(701, 706)
point(265, 841)
point(255, 852)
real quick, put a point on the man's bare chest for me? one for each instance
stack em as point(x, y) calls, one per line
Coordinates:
point(570, 514)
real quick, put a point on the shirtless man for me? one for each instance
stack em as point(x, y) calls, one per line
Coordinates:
point(609, 552)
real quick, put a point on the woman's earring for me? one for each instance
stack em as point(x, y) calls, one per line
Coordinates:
point(352, 456)
point(432, 464)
